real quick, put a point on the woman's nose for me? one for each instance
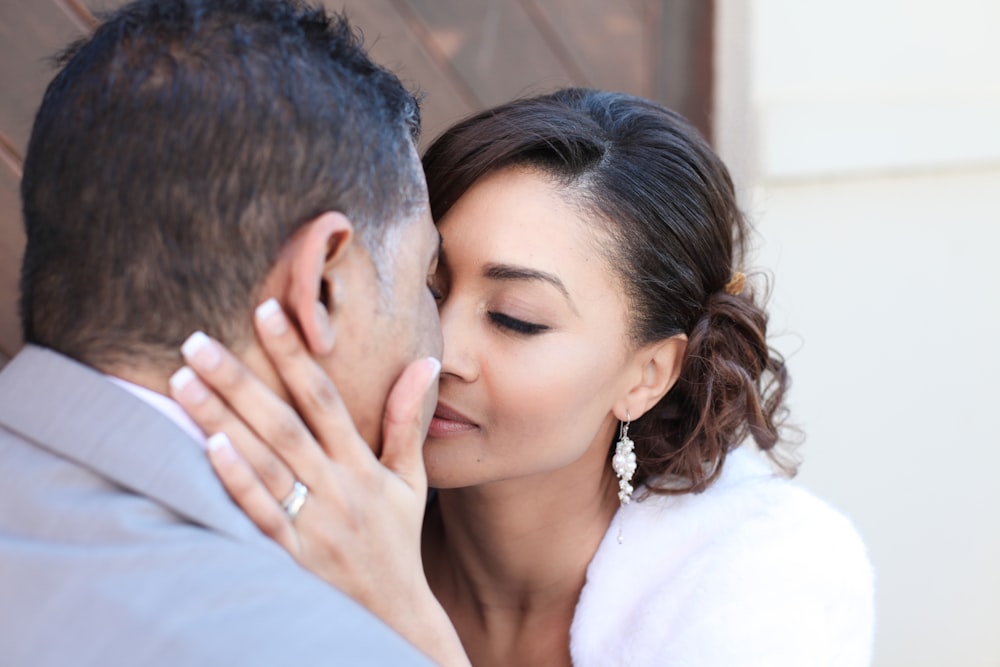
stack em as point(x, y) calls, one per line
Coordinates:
point(459, 336)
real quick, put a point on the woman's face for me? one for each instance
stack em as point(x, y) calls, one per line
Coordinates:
point(536, 353)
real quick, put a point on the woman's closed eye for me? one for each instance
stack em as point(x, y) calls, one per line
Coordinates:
point(517, 326)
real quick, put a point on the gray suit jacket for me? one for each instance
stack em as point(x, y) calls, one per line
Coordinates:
point(118, 545)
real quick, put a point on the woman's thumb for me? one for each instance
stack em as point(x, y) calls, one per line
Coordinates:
point(408, 410)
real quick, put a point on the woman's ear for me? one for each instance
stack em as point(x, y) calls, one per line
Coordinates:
point(660, 366)
point(313, 292)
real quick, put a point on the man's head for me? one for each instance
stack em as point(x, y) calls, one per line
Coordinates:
point(180, 157)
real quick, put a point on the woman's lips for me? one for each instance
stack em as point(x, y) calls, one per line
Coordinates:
point(449, 422)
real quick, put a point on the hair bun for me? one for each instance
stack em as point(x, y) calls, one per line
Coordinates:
point(731, 386)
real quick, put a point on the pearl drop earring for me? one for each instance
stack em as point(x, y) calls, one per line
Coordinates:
point(624, 464)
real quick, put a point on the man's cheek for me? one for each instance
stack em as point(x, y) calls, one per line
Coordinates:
point(428, 328)
point(434, 333)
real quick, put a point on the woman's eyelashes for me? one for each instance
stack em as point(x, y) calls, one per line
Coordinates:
point(516, 325)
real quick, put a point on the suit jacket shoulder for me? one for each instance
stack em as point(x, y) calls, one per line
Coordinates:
point(119, 546)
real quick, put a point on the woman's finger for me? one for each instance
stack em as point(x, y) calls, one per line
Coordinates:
point(407, 412)
point(209, 412)
point(253, 403)
point(250, 494)
point(314, 393)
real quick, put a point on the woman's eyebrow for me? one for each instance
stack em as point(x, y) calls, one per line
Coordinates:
point(510, 272)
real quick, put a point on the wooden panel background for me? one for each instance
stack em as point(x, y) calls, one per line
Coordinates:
point(463, 55)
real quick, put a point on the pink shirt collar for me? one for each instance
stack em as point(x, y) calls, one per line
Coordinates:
point(169, 407)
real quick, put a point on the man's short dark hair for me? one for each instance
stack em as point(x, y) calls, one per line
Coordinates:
point(177, 150)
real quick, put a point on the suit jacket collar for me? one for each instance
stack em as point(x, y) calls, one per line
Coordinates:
point(73, 411)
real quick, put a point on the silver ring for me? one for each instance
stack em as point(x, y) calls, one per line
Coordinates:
point(295, 499)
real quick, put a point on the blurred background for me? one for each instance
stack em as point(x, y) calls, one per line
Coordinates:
point(864, 138)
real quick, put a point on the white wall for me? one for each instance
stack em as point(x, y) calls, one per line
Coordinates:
point(865, 136)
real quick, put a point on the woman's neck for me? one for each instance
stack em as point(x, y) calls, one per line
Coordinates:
point(508, 559)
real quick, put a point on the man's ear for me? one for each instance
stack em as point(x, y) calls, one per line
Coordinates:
point(660, 367)
point(312, 296)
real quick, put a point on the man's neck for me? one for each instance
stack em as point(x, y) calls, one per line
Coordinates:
point(148, 379)
point(156, 377)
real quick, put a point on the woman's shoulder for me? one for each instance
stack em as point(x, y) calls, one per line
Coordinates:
point(748, 505)
point(755, 565)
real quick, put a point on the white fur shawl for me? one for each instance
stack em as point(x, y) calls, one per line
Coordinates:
point(754, 572)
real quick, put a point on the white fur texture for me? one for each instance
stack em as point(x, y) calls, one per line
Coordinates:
point(754, 572)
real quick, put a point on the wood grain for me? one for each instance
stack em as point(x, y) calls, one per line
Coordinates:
point(31, 33)
point(495, 46)
point(684, 80)
point(605, 41)
point(11, 250)
point(398, 40)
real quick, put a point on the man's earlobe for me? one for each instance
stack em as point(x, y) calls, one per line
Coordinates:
point(326, 333)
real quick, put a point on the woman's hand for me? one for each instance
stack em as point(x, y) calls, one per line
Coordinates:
point(359, 527)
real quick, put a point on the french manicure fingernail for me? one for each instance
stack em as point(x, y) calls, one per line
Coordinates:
point(187, 386)
point(269, 314)
point(200, 351)
point(221, 445)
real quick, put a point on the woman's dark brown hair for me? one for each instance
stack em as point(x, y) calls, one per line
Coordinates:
point(647, 177)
